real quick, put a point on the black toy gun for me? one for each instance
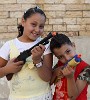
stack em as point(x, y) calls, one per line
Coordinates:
point(25, 54)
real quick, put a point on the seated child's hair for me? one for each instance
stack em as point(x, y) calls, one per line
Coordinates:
point(58, 40)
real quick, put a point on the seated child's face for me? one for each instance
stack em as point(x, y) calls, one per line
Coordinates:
point(65, 52)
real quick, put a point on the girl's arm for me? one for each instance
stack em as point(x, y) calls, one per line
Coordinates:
point(56, 75)
point(7, 67)
point(2, 68)
point(45, 70)
point(53, 75)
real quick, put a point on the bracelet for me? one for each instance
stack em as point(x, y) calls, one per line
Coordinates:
point(38, 65)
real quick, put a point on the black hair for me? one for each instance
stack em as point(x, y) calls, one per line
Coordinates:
point(28, 14)
point(58, 40)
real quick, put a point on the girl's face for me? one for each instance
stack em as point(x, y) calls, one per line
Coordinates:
point(33, 27)
point(65, 52)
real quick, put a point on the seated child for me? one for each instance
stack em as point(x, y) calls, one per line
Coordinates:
point(71, 81)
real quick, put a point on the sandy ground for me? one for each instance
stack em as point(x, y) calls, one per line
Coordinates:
point(4, 90)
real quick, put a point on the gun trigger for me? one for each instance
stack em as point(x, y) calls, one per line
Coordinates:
point(45, 42)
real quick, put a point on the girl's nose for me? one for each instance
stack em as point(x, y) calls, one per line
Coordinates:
point(37, 29)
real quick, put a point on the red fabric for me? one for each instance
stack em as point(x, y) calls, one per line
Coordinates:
point(61, 86)
point(79, 68)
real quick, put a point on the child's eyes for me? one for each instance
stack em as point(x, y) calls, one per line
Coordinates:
point(68, 51)
point(60, 57)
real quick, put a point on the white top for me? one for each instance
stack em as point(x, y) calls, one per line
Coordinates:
point(5, 49)
point(26, 83)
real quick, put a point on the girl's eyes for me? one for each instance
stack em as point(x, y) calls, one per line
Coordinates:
point(34, 25)
point(41, 27)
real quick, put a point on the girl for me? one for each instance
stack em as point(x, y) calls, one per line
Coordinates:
point(30, 82)
point(73, 81)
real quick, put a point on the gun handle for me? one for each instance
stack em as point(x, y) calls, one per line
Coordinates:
point(9, 76)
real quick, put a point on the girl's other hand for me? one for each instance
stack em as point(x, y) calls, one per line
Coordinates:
point(13, 67)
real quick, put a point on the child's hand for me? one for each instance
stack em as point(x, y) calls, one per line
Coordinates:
point(68, 72)
point(13, 67)
point(57, 75)
point(58, 72)
point(37, 52)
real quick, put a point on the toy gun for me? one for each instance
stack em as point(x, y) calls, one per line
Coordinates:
point(25, 54)
point(72, 63)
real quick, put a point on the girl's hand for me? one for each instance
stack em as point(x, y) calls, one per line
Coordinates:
point(37, 52)
point(13, 67)
point(68, 72)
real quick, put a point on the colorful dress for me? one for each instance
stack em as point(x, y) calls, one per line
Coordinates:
point(82, 72)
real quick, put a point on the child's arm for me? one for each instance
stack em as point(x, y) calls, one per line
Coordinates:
point(74, 88)
point(10, 67)
point(85, 74)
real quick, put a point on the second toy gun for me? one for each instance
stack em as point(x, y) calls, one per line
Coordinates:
point(74, 61)
point(25, 54)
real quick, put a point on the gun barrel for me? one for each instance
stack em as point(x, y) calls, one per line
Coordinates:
point(27, 53)
point(50, 35)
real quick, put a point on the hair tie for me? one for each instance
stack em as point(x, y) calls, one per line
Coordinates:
point(37, 7)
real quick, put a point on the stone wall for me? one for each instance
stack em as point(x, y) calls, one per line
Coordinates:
point(71, 17)
point(62, 15)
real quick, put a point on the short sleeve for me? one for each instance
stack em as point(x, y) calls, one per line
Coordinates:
point(85, 74)
point(4, 51)
point(47, 50)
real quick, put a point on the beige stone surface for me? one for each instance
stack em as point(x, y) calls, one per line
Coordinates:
point(62, 15)
point(65, 16)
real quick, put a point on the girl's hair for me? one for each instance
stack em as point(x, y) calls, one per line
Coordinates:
point(28, 14)
point(58, 40)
